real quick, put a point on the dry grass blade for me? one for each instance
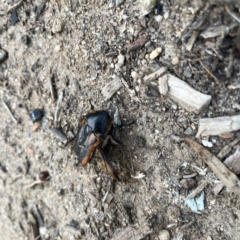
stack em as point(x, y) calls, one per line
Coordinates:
point(229, 179)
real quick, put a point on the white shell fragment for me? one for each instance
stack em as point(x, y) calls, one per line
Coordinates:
point(183, 94)
point(218, 125)
point(121, 59)
point(155, 53)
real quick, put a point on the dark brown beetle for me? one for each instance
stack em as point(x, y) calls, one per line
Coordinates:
point(93, 135)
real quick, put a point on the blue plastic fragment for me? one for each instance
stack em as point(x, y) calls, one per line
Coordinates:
point(196, 204)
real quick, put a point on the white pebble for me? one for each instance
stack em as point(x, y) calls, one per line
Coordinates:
point(158, 18)
point(155, 53)
point(175, 60)
point(134, 75)
point(166, 15)
point(164, 235)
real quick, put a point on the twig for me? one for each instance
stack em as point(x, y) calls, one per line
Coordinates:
point(227, 149)
point(197, 190)
point(233, 15)
point(58, 109)
point(208, 71)
point(198, 23)
point(52, 88)
point(10, 113)
point(15, 6)
point(228, 178)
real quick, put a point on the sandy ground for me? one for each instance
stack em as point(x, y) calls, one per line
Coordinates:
point(68, 46)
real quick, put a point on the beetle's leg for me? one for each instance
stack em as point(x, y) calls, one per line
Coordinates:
point(70, 141)
point(117, 142)
point(106, 165)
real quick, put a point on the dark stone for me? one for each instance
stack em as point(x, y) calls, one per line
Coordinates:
point(3, 55)
point(25, 39)
point(36, 115)
point(14, 17)
point(74, 224)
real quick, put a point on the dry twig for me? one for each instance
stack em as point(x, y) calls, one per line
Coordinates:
point(209, 72)
point(229, 179)
point(10, 112)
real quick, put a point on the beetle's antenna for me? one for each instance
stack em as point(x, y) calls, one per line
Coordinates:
point(122, 125)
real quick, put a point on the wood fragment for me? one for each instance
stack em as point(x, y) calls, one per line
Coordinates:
point(209, 72)
point(132, 92)
point(185, 95)
point(198, 23)
point(191, 40)
point(53, 93)
point(233, 15)
point(233, 162)
point(229, 179)
point(134, 232)
point(163, 85)
point(10, 112)
point(227, 149)
point(218, 125)
point(221, 30)
point(58, 110)
point(139, 43)
point(111, 88)
point(59, 134)
point(198, 189)
point(226, 135)
point(155, 75)
point(40, 9)
point(18, 4)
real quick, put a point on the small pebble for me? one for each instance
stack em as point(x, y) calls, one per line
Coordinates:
point(25, 39)
point(121, 59)
point(57, 27)
point(3, 55)
point(14, 17)
point(155, 53)
point(188, 131)
point(158, 18)
point(166, 15)
point(36, 115)
point(188, 183)
point(175, 60)
point(164, 235)
point(134, 75)
point(43, 176)
point(118, 2)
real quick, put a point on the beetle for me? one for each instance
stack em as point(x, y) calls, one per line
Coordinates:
point(92, 137)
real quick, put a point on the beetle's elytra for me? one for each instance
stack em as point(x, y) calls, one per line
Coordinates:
point(92, 136)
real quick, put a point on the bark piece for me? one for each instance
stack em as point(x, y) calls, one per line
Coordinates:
point(218, 125)
point(229, 179)
point(233, 162)
point(139, 43)
point(212, 32)
point(191, 41)
point(155, 75)
point(134, 232)
point(227, 149)
point(111, 88)
point(185, 95)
